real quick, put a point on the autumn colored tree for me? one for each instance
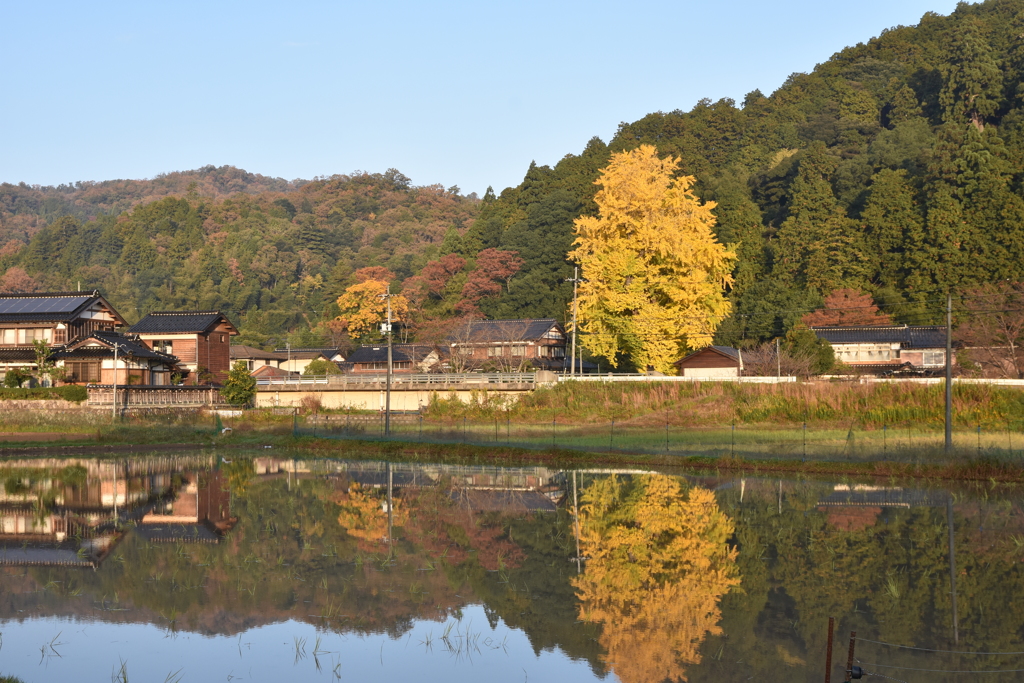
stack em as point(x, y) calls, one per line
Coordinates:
point(373, 273)
point(494, 267)
point(364, 514)
point(846, 308)
point(363, 307)
point(993, 329)
point(654, 275)
point(17, 280)
point(658, 565)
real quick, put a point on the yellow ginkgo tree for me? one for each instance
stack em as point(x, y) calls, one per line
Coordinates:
point(659, 564)
point(364, 306)
point(654, 274)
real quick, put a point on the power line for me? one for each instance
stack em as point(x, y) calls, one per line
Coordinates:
point(925, 649)
point(944, 671)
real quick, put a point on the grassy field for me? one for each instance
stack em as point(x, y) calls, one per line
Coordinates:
point(838, 405)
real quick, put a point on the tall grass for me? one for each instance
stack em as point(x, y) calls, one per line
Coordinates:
point(703, 404)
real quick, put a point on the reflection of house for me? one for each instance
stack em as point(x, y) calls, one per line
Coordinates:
point(255, 358)
point(296, 360)
point(79, 521)
point(711, 361)
point(405, 358)
point(200, 511)
point(887, 347)
point(92, 361)
point(510, 343)
point(55, 318)
point(199, 339)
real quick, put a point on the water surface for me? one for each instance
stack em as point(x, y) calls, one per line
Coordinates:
point(197, 568)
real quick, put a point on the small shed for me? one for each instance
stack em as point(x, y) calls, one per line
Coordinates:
point(711, 362)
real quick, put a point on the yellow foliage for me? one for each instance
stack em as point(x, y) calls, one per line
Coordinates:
point(365, 516)
point(654, 274)
point(363, 307)
point(658, 565)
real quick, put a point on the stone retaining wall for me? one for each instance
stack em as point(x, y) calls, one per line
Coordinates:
point(46, 404)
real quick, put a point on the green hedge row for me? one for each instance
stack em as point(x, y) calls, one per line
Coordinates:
point(70, 392)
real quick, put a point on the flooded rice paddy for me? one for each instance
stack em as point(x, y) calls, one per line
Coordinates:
point(268, 568)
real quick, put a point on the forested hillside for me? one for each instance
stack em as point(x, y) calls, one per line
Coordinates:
point(894, 168)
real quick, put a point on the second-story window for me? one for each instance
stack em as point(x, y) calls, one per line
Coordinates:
point(34, 334)
point(163, 346)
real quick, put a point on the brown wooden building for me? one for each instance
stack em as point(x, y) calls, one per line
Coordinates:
point(711, 362)
point(201, 340)
point(509, 345)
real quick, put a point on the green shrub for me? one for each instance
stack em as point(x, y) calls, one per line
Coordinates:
point(70, 392)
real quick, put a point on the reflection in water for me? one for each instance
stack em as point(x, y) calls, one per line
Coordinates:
point(658, 564)
point(707, 579)
point(72, 512)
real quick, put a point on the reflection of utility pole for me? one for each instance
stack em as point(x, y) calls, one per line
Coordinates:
point(575, 280)
point(952, 567)
point(391, 506)
point(576, 523)
point(386, 327)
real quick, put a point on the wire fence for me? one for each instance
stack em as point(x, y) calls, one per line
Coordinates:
point(805, 441)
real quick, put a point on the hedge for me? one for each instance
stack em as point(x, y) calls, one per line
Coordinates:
point(69, 392)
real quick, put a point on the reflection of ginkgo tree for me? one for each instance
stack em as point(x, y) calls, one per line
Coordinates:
point(658, 565)
point(364, 514)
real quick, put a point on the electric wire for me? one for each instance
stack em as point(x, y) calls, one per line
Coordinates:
point(944, 671)
point(925, 649)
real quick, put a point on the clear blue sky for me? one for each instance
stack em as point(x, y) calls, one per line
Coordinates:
point(457, 93)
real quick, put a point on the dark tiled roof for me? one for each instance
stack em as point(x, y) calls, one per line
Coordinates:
point(46, 306)
point(484, 331)
point(919, 337)
point(239, 351)
point(727, 351)
point(178, 322)
point(399, 352)
point(127, 345)
point(17, 355)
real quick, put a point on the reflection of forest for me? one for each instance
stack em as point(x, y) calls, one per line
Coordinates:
point(663, 593)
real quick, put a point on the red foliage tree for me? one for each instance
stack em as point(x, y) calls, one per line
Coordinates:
point(17, 280)
point(993, 330)
point(493, 267)
point(847, 308)
point(379, 273)
point(438, 273)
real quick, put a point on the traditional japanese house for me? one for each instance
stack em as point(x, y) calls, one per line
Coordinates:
point(509, 344)
point(296, 360)
point(114, 358)
point(888, 348)
point(405, 359)
point(54, 318)
point(256, 358)
point(199, 339)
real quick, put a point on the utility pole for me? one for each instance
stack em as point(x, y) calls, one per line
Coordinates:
point(778, 360)
point(386, 328)
point(949, 372)
point(575, 280)
point(113, 410)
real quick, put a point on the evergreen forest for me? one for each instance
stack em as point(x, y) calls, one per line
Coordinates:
point(895, 168)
